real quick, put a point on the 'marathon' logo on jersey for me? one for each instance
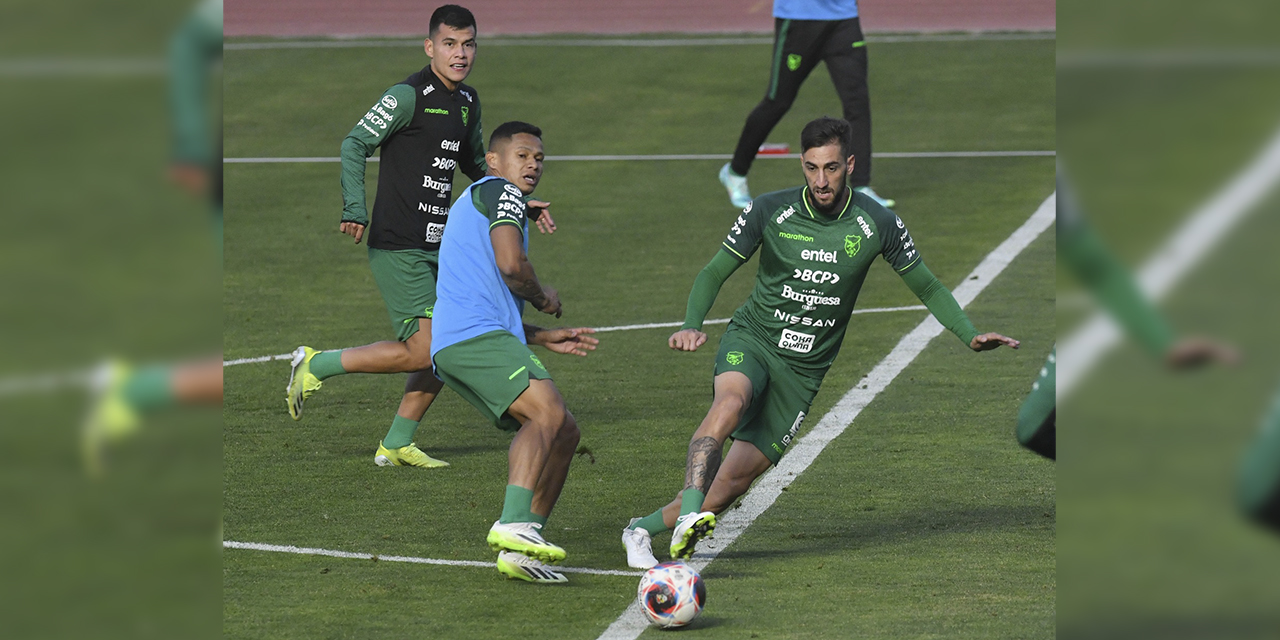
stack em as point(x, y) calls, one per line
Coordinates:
point(795, 236)
point(443, 112)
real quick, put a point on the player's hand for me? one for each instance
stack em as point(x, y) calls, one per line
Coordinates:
point(552, 304)
point(1190, 353)
point(567, 341)
point(989, 341)
point(686, 340)
point(541, 214)
point(353, 229)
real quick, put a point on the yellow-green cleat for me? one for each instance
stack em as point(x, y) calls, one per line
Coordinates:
point(110, 417)
point(526, 538)
point(690, 528)
point(301, 382)
point(410, 456)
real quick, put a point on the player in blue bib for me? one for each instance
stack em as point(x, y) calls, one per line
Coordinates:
point(479, 345)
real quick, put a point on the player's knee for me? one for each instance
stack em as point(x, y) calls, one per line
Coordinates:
point(569, 433)
point(552, 417)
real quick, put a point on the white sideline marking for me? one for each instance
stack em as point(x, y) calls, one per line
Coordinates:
point(1149, 59)
point(22, 385)
point(683, 156)
point(307, 551)
point(1203, 230)
point(761, 496)
point(972, 36)
point(82, 67)
point(625, 327)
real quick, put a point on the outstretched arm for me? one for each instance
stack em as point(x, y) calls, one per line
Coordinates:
point(705, 289)
point(573, 341)
point(944, 307)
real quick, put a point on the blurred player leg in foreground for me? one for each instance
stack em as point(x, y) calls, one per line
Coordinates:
point(1258, 491)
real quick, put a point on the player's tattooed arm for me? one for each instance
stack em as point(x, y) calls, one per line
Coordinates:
point(703, 463)
point(517, 271)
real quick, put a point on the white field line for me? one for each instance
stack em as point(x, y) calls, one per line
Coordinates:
point(624, 327)
point(307, 551)
point(82, 67)
point(1204, 229)
point(973, 36)
point(47, 382)
point(50, 382)
point(761, 496)
point(683, 156)
point(1154, 59)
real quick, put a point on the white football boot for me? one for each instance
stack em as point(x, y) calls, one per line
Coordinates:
point(639, 545)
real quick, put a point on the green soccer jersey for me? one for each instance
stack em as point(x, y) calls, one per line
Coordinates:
point(811, 269)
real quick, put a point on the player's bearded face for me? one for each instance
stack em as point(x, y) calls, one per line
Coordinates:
point(825, 171)
point(519, 160)
point(452, 51)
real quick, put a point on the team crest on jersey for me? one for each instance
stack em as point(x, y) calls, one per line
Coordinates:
point(852, 244)
point(537, 362)
point(465, 114)
point(734, 357)
point(389, 102)
point(793, 61)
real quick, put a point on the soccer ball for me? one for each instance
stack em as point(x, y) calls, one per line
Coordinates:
point(671, 595)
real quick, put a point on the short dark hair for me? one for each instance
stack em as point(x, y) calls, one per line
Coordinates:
point(508, 130)
point(453, 16)
point(824, 131)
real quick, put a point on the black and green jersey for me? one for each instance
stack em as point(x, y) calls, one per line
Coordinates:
point(425, 131)
point(811, 269)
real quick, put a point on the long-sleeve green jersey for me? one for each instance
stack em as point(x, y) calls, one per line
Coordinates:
point(425, 132)
point(1110, 282)
point(812, 267)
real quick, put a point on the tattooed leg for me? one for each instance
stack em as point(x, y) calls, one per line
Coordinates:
point(703, 462)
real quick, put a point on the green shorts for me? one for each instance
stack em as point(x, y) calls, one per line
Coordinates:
point(780, 397)
point(407, 280)
point(490, 370)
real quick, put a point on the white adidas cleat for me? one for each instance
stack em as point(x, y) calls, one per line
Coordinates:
point(526, 538)
point(518, 566)
point(736, 185)
point(639, 545)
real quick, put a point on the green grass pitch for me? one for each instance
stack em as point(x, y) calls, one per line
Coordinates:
point(924, 520)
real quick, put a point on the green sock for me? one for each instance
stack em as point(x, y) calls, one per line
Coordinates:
point(327, 364)
point(691, 501)
point(652, 523)
point(401, 433)
point(518, 505)
point(542, 520)
point(149, 389)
